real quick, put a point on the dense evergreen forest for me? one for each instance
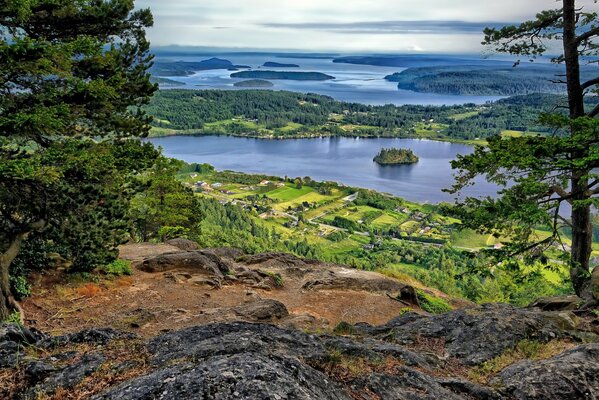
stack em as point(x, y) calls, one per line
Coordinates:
point(482, 80)
point(288, 114)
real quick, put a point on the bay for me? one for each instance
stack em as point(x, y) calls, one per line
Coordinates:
point(344, 160)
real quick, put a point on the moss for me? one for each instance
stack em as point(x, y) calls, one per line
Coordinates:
point(344, 328)
point(432, 304)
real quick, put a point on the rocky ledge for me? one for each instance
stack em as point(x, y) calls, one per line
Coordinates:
point(488, 352)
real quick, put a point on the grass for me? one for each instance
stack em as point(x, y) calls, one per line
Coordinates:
point(467, 238)
point(432, 304)
point(525, 349)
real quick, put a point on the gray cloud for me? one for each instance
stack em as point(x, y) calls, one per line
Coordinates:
point(391, 27)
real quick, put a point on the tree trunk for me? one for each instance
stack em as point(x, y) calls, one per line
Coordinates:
point(582, 232)
point(8, 304)
point(582, 239)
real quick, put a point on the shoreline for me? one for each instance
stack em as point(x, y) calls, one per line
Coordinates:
point(322, 136)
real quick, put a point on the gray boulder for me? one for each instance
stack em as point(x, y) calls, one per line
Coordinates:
point(572, 375)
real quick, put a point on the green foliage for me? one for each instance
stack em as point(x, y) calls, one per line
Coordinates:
point(117, 268)
point(74, 78)
point(277, 278)
point(13, 318)
point(493, 80)
point(395, 156)
point(432, 304)
point(344, 328)
point(338, 236)
point(20, 287)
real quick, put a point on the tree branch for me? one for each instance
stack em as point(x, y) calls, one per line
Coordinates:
point(594, 112)
point(587, 35)
point(590, 83)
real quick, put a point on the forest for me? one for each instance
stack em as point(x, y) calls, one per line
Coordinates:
point(261, 113)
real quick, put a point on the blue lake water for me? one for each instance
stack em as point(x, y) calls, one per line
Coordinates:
point(353, 83)
point(344, 160)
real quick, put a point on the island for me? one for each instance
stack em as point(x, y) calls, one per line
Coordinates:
point(284, 75)
point(164, 82)
point(186, 68)
point(395, 157)
point(254, 83)
point(272, 64)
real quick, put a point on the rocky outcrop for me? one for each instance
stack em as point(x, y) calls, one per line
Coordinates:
point(204, 262)
point(571, 375)
point(183, 244)
point(411, 357)
point(475, 335)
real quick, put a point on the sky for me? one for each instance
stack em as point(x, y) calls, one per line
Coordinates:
point(436, 26)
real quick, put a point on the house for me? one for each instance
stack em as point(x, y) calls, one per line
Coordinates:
point(200, 184)
point(498, 246)
point(265, 182)
point(280, 184)
point(217, 185)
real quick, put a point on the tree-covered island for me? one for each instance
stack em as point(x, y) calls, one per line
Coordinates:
point(395, 157)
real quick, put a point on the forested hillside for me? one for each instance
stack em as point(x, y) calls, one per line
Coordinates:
point(261, 113)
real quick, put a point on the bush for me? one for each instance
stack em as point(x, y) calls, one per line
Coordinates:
point(20, 287)
point(432, 304)
point(117, 268)
point(14, 318)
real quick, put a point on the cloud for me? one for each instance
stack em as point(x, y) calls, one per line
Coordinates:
point(390, 27)
point(337, 25)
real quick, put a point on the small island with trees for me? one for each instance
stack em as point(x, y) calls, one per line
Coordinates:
point(254, 83)
point(395, 157)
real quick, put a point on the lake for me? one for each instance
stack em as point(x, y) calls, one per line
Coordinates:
point(344, 160)
point(353, 83)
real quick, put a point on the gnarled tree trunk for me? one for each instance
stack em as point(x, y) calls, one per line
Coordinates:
point(8, 304)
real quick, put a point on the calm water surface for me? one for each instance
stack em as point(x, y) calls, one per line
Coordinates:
point(344, 160)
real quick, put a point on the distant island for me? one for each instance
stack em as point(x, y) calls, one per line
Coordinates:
point(186, 68)
point(292, 76)
point(396, 157)
point(165, 81)
point(273, 64)
point(484, 80)
point(254, 83)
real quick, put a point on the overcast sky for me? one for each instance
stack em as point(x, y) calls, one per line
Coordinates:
point(336, 25)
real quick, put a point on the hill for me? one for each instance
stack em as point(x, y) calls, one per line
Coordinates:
point(214, 322)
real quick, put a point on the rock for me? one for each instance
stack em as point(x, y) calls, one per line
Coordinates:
point(303, 322)
point(65, 378)
point(195, 262)
point(241, 376)
point(201, 342)
point(211, 282)
point(267, 310)
point(571, 375)
point(97, 336)
point(559, 303)
point(350, 279)
point(13, 340)
point(37, 371)
point(475, 335)
point(183, 244)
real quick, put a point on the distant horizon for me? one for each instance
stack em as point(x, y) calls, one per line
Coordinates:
point(344, 26)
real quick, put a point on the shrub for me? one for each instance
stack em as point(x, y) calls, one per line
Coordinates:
point(89, 290)
point(118, 268)
point(14, 318)
point(432, 304)
point(344, 328)
point(20, 287)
